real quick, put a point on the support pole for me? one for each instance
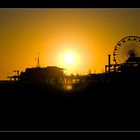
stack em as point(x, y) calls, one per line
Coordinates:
point(109, 56)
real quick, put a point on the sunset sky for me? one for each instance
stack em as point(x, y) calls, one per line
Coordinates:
point(76, 39)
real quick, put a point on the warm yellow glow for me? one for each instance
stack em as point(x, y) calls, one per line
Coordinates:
point(69, 87)
point(78, 40)
point(70, 60)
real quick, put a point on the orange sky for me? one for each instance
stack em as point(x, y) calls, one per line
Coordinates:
point(91, 34)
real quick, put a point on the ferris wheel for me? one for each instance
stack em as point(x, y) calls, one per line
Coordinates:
point(126, 48)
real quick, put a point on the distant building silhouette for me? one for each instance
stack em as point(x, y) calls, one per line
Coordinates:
point(50, 74)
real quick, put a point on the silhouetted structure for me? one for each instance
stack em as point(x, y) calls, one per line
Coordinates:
point(15, 77)
point(38, 65)
point(127, 64)
point(50, 74)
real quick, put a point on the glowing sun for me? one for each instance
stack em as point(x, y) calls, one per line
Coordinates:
point(69, 60)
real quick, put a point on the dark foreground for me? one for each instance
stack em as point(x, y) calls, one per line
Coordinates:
point(92, 107)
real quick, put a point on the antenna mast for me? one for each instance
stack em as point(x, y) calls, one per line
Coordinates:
point(38, 61)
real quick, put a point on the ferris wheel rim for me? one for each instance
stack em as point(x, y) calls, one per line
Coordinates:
point(120, 42)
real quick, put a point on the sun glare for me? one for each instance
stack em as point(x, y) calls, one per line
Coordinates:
point(69, 60)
